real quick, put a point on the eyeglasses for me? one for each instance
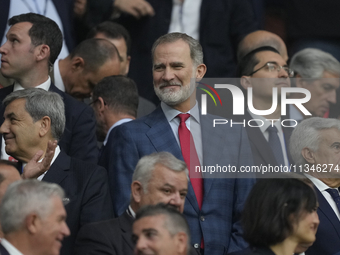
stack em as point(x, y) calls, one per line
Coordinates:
point(272, 66)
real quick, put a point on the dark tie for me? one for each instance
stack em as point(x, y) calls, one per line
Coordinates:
point(336, 197)
point(275, 144)
point(190, 157)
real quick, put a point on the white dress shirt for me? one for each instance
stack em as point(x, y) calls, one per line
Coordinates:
point(58, 80)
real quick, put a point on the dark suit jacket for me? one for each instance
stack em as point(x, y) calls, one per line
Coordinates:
point(79, 137)
point(111, 237)
point(328, 235)
point(218, 220)
point(65, 11)
point(223, 23)
point(260, 148)
point(3, 251)
point(86, 187)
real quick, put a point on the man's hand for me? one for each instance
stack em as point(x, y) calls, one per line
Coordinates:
point(34, 168)
point(137, 8)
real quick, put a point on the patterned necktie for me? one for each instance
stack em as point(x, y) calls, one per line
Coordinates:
point(275, 144)
point(190, 157)
point(336, 197)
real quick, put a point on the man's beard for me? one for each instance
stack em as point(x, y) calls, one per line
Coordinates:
point(173, 96)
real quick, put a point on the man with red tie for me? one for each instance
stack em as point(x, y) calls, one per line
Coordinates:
point(213, 205)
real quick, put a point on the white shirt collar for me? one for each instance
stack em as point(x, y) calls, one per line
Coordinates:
point(119, 122)
point(10, 248)
point(45, 86)
point(58, 80)
point(317, 183)
point(171, 113)
point(266, 122)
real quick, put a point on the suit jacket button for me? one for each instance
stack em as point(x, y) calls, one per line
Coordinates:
point(202, 218)
point(196, 245)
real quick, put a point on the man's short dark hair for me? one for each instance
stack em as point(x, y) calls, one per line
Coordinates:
point(119, 93)
point(43, 31)
point(267, 214)
point(95, 53)
point(249, 61)
point(112, 30)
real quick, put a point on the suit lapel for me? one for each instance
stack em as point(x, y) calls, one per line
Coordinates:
point(125, 223)
point(327, 210)
point(163, 139)
point(260, 143)
point(59, 169)
point(3, 251)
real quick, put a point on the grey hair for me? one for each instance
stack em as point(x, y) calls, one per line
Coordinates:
point(41, 103)
point(174, 221)
point(25, 197)
point(147, 164)
point(196, 51)
point(307, 135)
point(312, 63)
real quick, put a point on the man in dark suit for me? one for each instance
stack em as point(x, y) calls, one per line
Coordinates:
point(315, 146)
point(115, 101)
point(264, 69)
point(33, 117)
point(214, 216)
point(33, 45)
point(33, 218)
point(158, 178)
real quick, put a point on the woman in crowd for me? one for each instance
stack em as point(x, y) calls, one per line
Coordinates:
point(279, 215)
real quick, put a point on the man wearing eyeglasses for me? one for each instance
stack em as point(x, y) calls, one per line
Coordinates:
point(264, 71)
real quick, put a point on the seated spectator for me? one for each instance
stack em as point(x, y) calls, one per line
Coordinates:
point(160, 228)
point(33, 117)
point(33, 218)
point(278, 215)
point(318, 72)
point(158, 178)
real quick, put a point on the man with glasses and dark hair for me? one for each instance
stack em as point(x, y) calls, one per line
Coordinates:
point(264, 70)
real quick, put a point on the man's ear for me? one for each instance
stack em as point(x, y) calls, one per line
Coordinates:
point(45, 126)
point(128, 59)
point(77, 63)
point(245, 82)
point(181, 241)
point(200, 71)
point(308, 155)
point(43, 52)
point(32, 223)
point(137, 191)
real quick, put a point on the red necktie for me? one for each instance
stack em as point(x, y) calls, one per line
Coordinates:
point(190, 157)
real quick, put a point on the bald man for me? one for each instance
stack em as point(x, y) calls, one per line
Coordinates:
point(258, 39)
